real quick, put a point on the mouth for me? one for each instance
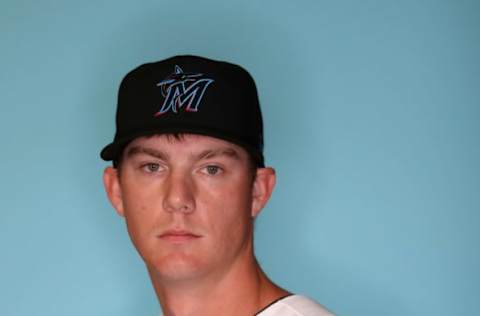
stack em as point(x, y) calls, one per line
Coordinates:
point(178, 236)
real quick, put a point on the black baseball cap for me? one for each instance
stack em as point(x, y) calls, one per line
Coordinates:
point(188, 94)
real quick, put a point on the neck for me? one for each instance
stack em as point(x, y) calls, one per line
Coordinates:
point(243, 290)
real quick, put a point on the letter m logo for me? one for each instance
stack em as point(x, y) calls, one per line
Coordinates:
point(182, 90)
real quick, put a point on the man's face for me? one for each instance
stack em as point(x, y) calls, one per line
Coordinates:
point(188, 202)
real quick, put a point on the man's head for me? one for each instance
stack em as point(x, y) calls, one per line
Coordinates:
point(189, 131)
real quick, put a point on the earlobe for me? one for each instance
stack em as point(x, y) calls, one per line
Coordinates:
point(112, 187)
point(262, 189)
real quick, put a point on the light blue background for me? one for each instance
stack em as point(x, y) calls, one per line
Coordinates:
point(372, 112)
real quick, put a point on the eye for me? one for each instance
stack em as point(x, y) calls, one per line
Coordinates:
point(151, 167)
point(212, 170)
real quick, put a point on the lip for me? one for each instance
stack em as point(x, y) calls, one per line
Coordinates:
point(178, 236)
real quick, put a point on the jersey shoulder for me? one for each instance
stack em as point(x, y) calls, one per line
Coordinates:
point(295, 305)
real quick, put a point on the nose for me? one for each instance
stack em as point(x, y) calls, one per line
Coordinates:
point(179, 195)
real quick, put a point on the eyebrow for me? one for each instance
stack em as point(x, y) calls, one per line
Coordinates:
point(206, 154)
point(209, 153)
point(136, 150)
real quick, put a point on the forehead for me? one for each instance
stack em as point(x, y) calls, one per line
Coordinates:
point(185, 144)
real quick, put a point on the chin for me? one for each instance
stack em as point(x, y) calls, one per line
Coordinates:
point(176, 267)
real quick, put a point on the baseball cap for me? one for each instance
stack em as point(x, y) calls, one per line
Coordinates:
point(188, 94)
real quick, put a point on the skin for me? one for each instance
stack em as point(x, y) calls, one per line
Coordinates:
point(189, 204)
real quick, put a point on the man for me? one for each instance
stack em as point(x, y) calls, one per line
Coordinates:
point(189, 178)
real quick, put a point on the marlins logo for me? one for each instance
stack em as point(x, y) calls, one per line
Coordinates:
point(182, 89)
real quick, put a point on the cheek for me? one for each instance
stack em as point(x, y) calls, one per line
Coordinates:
point(138, 205)
point(227, 211)
point(140, 215)
point(140, 198)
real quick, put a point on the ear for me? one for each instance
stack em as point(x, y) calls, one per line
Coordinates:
point(113, 189)
point(262, 189)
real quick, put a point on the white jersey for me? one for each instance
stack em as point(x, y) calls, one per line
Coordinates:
point(295, 305)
